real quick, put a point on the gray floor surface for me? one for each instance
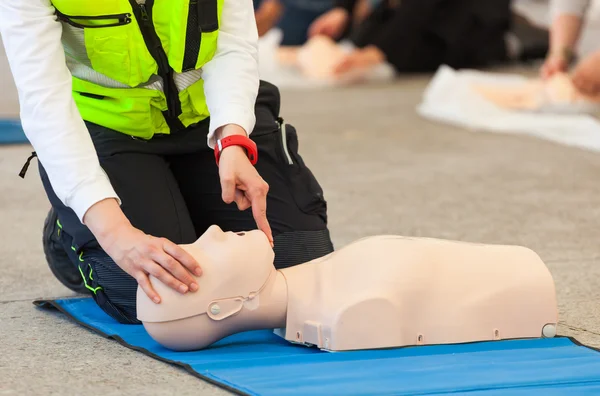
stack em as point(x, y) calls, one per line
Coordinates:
point(384, 170)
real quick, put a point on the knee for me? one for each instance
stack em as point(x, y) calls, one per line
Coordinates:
point(297, 247)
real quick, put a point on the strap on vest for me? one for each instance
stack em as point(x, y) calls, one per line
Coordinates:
point(208, 17)
point(26, 165)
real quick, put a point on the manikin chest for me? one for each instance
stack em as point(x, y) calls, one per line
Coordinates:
point(390, 291)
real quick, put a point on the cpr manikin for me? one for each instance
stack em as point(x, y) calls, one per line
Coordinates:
point(379, 292)
point(556, 94)
point(317, 60)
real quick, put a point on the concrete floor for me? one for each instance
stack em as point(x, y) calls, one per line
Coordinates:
point(384, 170)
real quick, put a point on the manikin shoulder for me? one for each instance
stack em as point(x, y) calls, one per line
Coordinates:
point(395, 257)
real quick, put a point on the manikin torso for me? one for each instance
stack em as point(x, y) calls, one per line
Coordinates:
point(557, 94)
point(379, 292)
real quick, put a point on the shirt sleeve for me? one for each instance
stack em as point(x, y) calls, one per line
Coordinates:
point(231, 78)
point(50, 119)
point(569, 7)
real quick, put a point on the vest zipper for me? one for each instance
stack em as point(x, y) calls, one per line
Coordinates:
point(143, 13)
point(112, 20)
point(193, 38)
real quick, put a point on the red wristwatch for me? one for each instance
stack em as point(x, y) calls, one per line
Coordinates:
point(237, 140)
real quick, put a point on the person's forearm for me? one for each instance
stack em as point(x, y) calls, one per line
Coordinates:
point(104, 218)
point(267, 15)
point(564, 34)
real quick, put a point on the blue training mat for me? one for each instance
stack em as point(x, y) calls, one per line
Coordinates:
point(11, 132)
point(260, 363)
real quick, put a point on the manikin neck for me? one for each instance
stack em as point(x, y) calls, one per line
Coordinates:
point(271, 310)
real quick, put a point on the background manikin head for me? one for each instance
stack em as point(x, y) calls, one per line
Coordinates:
point(236, 266)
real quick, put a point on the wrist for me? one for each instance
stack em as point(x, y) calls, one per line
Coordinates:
point(231, 150)
point(235, 143)
point(563, 52)
point(105, 219)
point(230, 130)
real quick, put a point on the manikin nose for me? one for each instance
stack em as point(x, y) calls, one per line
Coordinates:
point(214, 231)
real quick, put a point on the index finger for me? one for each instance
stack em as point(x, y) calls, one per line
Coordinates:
point(259, 212)
point(182, 256)
point(315, 28)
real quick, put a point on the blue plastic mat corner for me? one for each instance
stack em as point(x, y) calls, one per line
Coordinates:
point(260, 363)
point(11, 132)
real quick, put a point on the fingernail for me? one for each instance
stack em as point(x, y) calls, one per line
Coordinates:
point(183, 288)
point(156, 300)
point(194, 287)
point(198, 271)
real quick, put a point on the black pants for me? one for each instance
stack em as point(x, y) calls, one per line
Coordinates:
point(169, 187)
point(419, 36)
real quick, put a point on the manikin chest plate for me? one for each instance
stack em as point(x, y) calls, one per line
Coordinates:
point(389, 291)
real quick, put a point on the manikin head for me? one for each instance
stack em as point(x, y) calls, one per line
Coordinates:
point(236, 267)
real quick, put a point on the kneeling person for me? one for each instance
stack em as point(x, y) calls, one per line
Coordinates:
point(124, 103)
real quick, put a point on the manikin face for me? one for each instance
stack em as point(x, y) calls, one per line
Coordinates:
point(229, 248)
point(233, 264)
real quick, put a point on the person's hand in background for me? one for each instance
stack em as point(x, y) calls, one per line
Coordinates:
point(240, 181)
point(586, 75)
point(267, 15)
point(139, 254)
point(564, 35)
point(360, 59)
point(554, 63)
point(331, 24)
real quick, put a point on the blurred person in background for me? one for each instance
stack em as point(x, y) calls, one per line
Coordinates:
point(567, 22)
point(292, 17)
point(419, 36)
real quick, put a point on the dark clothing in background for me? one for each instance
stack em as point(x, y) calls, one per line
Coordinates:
point(297, 17)
point(421, 35)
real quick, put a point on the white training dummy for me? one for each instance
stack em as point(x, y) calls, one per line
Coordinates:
point(379, 292)
point(318, 59)
point(556, 94)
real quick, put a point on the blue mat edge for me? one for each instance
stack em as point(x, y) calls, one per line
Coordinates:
point(16, 136)
point(53, 304)
point(11, 133)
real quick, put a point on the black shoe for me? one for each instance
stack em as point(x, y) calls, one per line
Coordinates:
point(61, 266)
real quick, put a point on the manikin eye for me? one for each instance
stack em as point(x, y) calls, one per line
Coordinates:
point(241, 233)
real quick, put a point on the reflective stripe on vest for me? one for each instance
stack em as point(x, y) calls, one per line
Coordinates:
point(136, 64)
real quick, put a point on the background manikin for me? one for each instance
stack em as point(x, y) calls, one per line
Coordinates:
point(379, 292)
point(558, 93)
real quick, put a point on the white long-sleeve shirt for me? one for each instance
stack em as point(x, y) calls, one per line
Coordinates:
point(569, 7)
point(51, 120)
